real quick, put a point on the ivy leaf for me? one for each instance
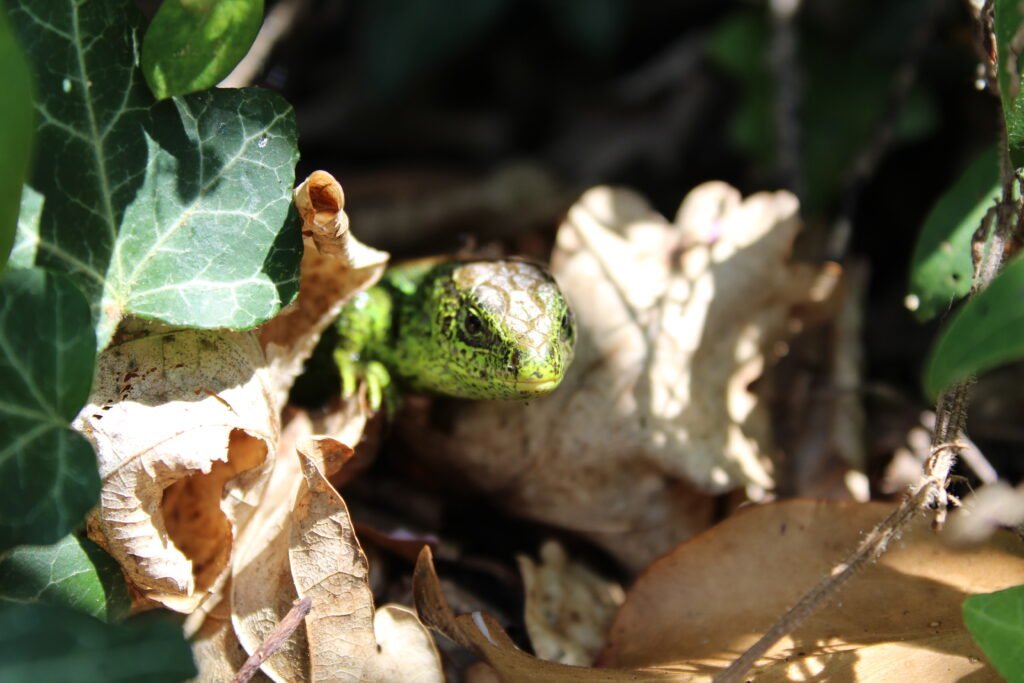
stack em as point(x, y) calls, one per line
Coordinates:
point(52, 643)
point(987, 332)
point(193, 44)
point(178, 210)
point(941, 268)
point(48, 475)
point(996, 622)
point(73, 572)
point(1008, 19)
point(15, 133)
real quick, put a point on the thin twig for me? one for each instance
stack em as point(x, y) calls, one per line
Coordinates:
point(275, 639)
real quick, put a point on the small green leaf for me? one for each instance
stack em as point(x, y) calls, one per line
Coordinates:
point(178, 210)
point(51, 643)
point(48, 475)
point(15, 133)
point(193, 44)
point(1007, 22)
point(996, 622)
point(73, 572)
point(988, 331)
point(941, 268)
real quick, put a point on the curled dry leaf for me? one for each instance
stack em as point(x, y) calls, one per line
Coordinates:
point(186, 424)
point(183, 424)
point(897, 620)
point(301, 543)
point(335, 267)
point(675, 321)
point(568, 606)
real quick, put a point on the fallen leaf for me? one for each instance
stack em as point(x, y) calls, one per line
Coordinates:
point(186, 422)
point(676, 321)
point(569, 607)
point(698, 607)
point(182, 425)
point(897, 620)
point(335, 266)
point(301, 543)
point(481, 634)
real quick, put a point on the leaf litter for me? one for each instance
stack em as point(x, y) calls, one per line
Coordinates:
point(218, 510)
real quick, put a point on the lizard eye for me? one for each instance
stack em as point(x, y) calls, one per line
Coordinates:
point(472, 330)
point(474, 326)
point(566, 331)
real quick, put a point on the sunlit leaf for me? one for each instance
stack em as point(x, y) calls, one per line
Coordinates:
point(996, 621)
point(193, 44)
point(941, 268)
point(48, 476)
point(177, 210)
point(987, 332)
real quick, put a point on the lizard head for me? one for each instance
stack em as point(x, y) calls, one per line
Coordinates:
point(502, 329)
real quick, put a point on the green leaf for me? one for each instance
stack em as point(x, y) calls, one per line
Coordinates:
point(51, 643)
point(73, 572)
point(996, 622)
point(941, 268)
point(15, 133)
point(1007, 22)
point(48, 475)
point(987, 332)
point(193, 44)
point(178, 210)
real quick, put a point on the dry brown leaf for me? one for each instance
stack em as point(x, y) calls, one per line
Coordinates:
point(898, 620)
point(569, 608)
point(701, 605)
point(182, 424)
point(301, 543)
point(185, 422)
point(676, 321)
point(335, 266)
point(482, 635)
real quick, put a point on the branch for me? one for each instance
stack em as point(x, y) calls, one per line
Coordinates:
point(275, 639)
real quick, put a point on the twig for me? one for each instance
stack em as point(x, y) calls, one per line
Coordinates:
point(275, 639)
point(930, 492)
point(275, 26)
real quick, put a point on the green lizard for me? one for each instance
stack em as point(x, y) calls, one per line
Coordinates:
point(482, 329)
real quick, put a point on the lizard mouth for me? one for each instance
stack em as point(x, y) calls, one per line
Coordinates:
point(535, 387)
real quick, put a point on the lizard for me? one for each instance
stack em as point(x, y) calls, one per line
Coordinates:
point(474, 329)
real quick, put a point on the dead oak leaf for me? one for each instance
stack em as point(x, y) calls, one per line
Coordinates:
point(897, 620)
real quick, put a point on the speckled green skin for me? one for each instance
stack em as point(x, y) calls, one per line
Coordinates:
point(471, 329)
